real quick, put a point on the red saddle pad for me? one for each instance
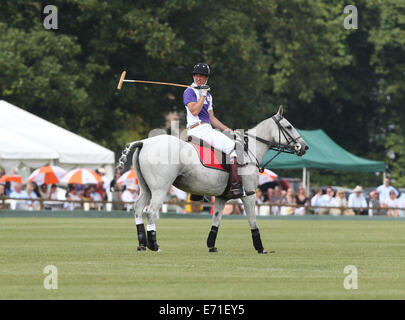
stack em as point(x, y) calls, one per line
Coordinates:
point(208, 157)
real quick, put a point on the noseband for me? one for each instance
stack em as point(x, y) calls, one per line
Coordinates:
point(288, 148)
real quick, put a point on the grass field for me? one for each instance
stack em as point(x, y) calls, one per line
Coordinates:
point(96, 258)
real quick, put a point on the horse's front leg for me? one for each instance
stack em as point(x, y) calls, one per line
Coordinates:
point(249, 203)
point(216, 221)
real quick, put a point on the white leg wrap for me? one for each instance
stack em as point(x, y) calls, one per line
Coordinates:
point(151, 227)
point(138, 221)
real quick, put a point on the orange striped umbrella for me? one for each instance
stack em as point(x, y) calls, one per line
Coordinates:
point(13, 178)
point(47, 175)
point(81, 176)
point(128, 178)
point(267, 176)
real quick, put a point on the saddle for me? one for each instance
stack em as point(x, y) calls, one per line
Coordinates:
point(210, 157)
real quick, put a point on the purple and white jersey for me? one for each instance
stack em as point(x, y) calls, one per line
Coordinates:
point(193, 95)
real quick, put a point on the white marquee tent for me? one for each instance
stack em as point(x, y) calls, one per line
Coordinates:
point(30, 141)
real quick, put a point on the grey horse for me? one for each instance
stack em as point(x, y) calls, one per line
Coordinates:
point(165, 160)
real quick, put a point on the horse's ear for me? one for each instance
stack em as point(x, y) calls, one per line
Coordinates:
point(280, 111)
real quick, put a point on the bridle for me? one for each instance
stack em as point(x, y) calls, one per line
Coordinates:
point(288, 148)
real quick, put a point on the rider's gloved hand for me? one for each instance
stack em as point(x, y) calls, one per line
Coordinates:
point(204, 90)
point(229, 132)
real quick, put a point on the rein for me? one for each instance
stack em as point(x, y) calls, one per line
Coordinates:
point(273, 146)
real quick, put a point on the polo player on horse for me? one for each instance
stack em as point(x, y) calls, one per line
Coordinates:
point(201, 122)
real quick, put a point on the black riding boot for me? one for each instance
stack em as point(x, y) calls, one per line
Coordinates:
point(236, 189)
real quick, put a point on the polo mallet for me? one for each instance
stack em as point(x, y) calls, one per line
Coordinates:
point(122, 80)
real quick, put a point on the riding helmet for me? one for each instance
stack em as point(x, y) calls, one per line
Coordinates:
point(201, 68)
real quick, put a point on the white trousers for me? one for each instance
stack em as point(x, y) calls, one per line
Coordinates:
point(215, 138)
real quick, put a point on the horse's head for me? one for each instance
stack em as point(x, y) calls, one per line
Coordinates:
point(287, 136)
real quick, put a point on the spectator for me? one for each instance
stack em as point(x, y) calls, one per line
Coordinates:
point(233, 206)
point(72, 196)
point(341, 201)
point(277, 197)
point(116, 189)
point(36, 189)
point(316, 200)
point(327, 201)
point(357, 202)
point(2, 195)
point(374, 204)
point(269, 195)
point(19, 193)
point(96, 196)
point(129, 196)
point(301, 199)
point(289, 199)
point(385, 189)
point(7, 188)
point(43, 191)
point(29, 190)
point(392, 204)
point(87, 199)
point(106, 182)
point(260, 209)
point(52, 195)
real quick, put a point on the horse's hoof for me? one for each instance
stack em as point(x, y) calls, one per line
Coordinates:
point(262, 251)
point(141, 248)
point(213, 249)
point(154, 248)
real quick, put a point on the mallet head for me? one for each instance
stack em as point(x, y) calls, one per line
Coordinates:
point(121, 80)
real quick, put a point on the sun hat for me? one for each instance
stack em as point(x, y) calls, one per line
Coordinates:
point(358, 189)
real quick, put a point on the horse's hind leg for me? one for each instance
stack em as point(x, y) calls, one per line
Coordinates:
point(157, 200)
point(140, 204)
point(216, 220)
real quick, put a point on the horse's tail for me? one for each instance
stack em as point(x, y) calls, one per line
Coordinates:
point(128, 148)
point(123, 159)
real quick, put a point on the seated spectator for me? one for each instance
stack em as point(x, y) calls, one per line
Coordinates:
point(277, 197)
point(7, 188)
point(316, 200)
point(392, 204)
point(357, 202)
point(32, 205)
point(19, 193)
point(2, 195)
point(73, 199)
point(374, 204)
point(301, 199)
point(327, 201)
point(43, 191)
point(52, 195)
point(96, 196)
point(269, 195)
point(341, 201)
point(261, 210)
point(385, 189)
point(289, 199)
point(116, 190)
point(87, 199)
point(129, 196)
point(233, 206)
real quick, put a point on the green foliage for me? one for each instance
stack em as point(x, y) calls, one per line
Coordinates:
point(262, 54)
